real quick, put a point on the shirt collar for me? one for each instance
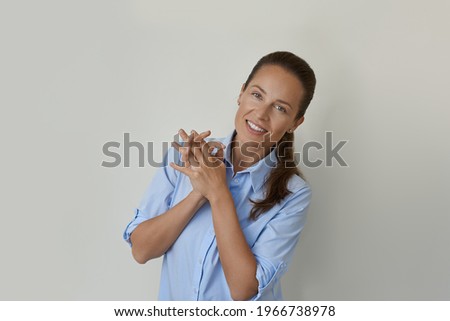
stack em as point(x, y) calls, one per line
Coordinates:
point(259, 171)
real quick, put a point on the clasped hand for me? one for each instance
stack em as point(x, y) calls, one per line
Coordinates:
point(205, 169)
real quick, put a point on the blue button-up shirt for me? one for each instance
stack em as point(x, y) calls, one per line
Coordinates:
point(191, 268)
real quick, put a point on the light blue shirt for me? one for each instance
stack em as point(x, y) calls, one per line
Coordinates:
point(191, 268)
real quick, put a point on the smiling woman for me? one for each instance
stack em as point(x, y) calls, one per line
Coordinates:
point(269, 104)
point(227, 223)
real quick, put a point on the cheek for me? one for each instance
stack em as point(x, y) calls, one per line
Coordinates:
point(238, 116)
point(241, 111)
point(248, 102)
point(280, 126)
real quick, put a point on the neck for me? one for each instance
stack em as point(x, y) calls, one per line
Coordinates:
point(246, 155)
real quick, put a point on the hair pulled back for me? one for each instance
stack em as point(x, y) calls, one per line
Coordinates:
point(277, 182)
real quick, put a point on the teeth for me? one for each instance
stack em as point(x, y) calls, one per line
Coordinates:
point(254, 127)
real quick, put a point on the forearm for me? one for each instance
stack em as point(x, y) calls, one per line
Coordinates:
point(154, 237)
point(238, 261)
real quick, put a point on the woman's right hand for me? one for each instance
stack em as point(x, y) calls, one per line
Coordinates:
point(187, 151)
point(196, 140)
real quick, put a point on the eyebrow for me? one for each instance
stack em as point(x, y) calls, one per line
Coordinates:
point(281, 101)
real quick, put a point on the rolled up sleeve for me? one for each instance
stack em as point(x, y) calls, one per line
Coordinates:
point(158, 196)
point(276, 243)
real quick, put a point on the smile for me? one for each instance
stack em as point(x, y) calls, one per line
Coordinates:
point(255, 127)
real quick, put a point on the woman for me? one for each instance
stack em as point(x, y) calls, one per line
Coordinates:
point(227, 224)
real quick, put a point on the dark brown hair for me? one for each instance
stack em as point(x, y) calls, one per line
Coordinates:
point(277, 182)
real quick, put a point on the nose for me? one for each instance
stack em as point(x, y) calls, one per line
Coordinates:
point(262, 112)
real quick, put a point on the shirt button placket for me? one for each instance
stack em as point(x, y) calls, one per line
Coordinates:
point(198, 272)
point(194, 288)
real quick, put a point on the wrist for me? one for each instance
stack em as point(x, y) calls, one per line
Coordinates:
point(197, 198)
point(219, 195)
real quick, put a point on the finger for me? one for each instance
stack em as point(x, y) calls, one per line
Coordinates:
point(192, 161)
point(198, 139)
point(213, 151)
point(181, 169)
point(201, 136)
point(184, 154)
point(217, 149)
point(216, 144)
point(207, 159)
point(189, 145)
point(187, 163)
point(184, 136)
point(184, 148)
point(176, 146)
point(220, 155)
point(221, 152)
point(204, 146)
point(196, 150)
point(195, 136)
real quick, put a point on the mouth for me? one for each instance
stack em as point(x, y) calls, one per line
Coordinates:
point(255, 128)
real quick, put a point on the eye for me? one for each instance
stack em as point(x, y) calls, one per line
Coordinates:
point(280, 108)
point(257, 95)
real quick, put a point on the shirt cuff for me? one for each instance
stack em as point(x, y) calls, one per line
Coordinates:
point(268, 282)
point(138, 219)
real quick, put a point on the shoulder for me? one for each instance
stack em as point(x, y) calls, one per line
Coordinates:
point(300, 193)
point(297, 184)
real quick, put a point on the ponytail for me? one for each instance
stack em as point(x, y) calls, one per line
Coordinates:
point(277, 182)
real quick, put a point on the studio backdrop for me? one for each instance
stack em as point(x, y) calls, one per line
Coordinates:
point(77, 75)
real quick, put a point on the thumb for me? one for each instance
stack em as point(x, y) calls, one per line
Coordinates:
point(184, 170)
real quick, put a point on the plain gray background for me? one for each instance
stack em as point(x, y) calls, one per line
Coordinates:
point(75, 75)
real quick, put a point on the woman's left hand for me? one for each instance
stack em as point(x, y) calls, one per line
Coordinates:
point(208, 176)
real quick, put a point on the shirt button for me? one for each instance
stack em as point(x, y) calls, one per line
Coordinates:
point(236, 180)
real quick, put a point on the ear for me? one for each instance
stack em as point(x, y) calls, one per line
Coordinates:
point(298, 122)
point(240, 94)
